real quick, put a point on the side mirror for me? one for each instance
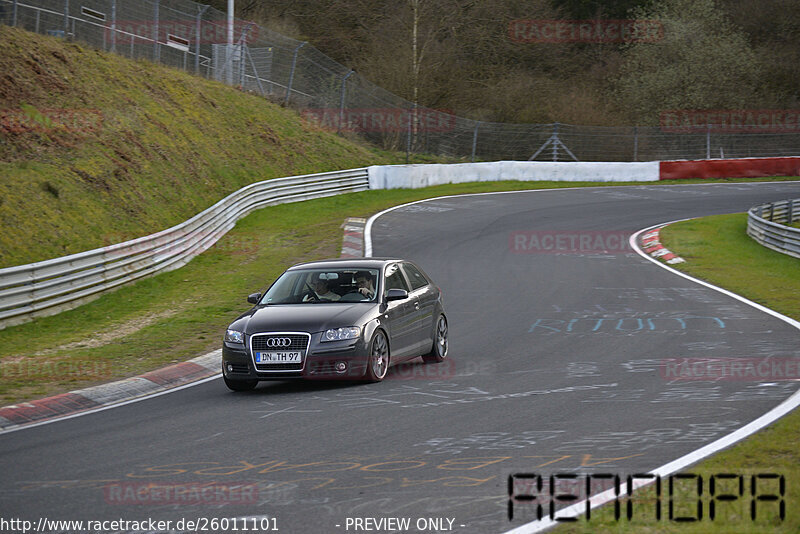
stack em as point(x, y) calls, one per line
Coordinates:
point(396, 294)
point(253, 298)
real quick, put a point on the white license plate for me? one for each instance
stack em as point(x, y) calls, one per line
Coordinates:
point(279, 357)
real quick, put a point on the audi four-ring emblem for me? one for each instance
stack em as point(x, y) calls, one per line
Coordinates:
point(279, 342)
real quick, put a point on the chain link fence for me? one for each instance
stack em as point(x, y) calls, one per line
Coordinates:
point(193, 37)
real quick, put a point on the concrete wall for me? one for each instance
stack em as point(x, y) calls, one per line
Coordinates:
point(415, 176)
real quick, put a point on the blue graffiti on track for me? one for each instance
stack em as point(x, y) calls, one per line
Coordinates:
point(625, 324)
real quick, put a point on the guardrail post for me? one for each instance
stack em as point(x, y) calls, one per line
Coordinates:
point(14, 13)
point(66, 17)
point(291, 73)
point(341, 101)
point(790, 212)
point(475, 140)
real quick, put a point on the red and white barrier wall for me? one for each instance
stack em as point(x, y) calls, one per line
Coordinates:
point(729, 168)
point(416, 176)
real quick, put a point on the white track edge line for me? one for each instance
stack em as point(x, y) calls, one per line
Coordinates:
point(26, 426)
point(703, 452)
point(634, 246)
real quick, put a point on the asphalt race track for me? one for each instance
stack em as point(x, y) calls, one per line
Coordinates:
point(557, 366)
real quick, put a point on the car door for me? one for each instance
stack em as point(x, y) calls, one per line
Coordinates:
point(399, 314)
point(423, 304)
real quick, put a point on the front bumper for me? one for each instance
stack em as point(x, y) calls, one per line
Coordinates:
point(322, 361)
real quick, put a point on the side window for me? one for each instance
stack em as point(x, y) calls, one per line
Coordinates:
point(416, 278)
point(394, 279)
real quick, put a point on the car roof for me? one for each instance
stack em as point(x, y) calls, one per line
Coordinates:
point(346, 263)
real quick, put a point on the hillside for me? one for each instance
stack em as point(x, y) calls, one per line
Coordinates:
point(475, 59)
point(96, 149)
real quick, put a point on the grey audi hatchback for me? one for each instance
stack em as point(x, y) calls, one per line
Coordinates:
point(346, 319)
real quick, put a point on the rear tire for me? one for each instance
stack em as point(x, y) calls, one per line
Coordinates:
point(438, 352)
point(378, 362)
point(240, 385)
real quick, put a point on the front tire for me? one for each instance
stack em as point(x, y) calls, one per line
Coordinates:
point(438, 352)
point(378, 362)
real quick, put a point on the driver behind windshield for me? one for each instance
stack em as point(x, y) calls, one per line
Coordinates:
point(320, 287)
point(364, 284)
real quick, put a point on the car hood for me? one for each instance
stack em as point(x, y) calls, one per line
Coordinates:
point(303, 317)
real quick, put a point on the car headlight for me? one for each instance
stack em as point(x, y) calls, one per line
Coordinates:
point(234, 336)
point(338, 334)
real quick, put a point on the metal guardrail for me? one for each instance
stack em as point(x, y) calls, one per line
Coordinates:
point(48, 287)
point(769, 224)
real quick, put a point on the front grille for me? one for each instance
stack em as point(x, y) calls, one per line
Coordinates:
point(298, 342)
point(279, 366)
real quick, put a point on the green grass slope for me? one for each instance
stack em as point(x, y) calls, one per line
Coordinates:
point(96, 149)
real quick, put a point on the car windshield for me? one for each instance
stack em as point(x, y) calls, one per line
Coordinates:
point(323, 286)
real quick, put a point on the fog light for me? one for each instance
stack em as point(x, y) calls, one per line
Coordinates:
point(230, 368)
point(340, 367)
